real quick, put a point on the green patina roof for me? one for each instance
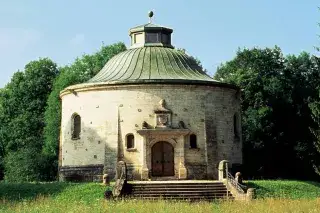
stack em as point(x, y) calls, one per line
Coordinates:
point(151, 64)
point(152, 59)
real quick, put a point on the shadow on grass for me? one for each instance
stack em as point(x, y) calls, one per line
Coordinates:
point(316, 184)
point(26, 191)
point(289, 189)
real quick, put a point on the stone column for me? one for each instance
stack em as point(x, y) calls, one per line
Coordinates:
point(251, 194)
point(62, 177)
point(209, 160)
point(223, 170)
point(106, 180)
point(145, 170)
point(182, 168)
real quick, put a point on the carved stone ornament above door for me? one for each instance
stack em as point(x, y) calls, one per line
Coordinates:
point(163, 115)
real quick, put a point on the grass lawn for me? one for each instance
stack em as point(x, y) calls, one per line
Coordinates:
point(272, 196)
point(288, 189)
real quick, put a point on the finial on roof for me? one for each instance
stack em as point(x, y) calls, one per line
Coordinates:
point(150, 34)
point(150, 14)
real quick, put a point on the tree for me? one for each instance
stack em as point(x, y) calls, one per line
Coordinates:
point(2, 141)
point(80, 71)
point(195, 60)
point(23, 102)
point(315, 109)
point(276, 117)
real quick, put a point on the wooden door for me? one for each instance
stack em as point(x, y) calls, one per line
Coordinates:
point(168, 159)
point(162, 159)
point(157, 159)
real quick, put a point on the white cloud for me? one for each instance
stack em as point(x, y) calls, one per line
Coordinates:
point(77, 40)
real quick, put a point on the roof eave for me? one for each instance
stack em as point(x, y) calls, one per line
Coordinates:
point(150, 81)
point(139, 45)
point(150, 29)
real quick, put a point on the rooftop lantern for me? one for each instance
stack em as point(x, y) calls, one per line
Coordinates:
point(150, 34)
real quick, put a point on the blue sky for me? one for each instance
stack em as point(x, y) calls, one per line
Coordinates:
point(210, 30)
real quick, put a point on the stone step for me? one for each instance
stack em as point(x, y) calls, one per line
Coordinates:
point(178, 190)
point(204, 198)
point(176, 185)
point(179, 195)
point(173, 185)
point(174, 188)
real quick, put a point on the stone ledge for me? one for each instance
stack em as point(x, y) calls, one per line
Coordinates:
point(131, 84)
point(80, 167)
point(131, 149)
point(87, 173)
point(164, 131)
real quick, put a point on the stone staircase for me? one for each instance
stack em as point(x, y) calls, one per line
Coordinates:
point(180, 190)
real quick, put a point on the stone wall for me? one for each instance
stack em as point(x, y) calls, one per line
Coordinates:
point(88, 173)
point(110, 112)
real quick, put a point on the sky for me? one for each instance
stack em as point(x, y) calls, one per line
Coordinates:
point(211, 30)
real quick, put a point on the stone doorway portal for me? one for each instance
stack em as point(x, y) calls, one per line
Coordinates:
point(162, 159)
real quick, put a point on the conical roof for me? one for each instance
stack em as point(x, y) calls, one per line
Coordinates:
point(152, 59)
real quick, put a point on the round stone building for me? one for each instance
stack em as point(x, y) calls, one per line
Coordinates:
point(154, 108)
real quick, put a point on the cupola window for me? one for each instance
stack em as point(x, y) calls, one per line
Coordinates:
point(138, 38)
point(165, 38)
point(152, 38)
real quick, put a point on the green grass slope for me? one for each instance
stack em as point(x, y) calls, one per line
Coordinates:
point(273, 196)
point(85, 192)
point(289, 189)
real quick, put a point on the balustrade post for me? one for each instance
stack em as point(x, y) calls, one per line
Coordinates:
point(223, 170)
point(226, 165)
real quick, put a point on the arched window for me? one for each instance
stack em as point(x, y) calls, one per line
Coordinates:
point(76, 126)
point(235, 125)
point(193, 141)
point(130, 141)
